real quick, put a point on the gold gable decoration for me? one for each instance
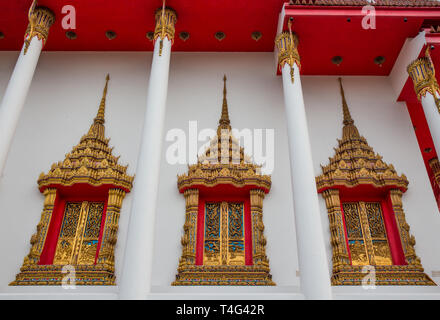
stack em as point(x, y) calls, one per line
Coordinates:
point(355, 164)
point(90, 162)
point(224, 163)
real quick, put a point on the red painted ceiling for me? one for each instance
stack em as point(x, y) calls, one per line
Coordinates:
point(323, 31)
point(132, 19)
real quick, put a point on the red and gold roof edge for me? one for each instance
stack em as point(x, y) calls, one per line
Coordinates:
point(90, 162)
point(355, 162)
point(381, 3)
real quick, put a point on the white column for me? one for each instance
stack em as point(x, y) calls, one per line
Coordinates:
point(138, 257)
point(432, 115)
point(18, 86)
point(313, 262)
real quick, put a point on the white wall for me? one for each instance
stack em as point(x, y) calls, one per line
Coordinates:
point(61, 105)
point(63, 100)
point(255, 101)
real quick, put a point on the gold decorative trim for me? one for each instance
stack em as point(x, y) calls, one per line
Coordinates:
point(354, 164)
point(361, 3)
point(166, 19)
point(287, 44)
point(53, 275)
point(337, 233)
point(106, 256)
point(224, 162)
point(259, 240)
point(38, 239)
point(40, 21)
point(223, 276)
point(188, 240)
point(435, 167)
point(91, 162)
point(408, 275)
point(422, 72)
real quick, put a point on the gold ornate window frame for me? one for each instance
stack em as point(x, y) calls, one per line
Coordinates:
point(90, 164)
point(356, 164)
point(216, 167)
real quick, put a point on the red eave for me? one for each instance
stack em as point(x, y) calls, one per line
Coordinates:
point(325, 32)
point(132, 19)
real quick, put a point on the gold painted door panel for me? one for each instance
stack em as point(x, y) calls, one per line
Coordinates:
point(79, 235)
point(367, 237)
point(224, 234)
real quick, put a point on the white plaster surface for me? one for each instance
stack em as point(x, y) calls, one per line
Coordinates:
point(64, 98)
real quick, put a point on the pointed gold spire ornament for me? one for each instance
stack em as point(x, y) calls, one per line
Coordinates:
point(93, 145)
point(346, 111)
point(97, 129)
point(224, 122)
point(88, 245)
point(220, 257)
point(100, 116)
point(358, 233)
point(349, 130)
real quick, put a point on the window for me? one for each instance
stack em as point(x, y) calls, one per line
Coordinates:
point(79, 236)
point(224, 234)
point(366, 233)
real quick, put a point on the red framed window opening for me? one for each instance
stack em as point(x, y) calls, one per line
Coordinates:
point(61, 208)
point(371, 232)
point(231, 238)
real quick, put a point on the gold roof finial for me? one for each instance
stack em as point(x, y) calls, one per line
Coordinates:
point(97, 128)
point(224, 122)
point(349, 130)
point(347, 116)
point(100, 116)
point(355, 163)
point(91, 161)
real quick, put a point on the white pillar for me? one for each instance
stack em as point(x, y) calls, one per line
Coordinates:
point(138, 257)
point(432, 115)
point(313, 262)
point(18, 86)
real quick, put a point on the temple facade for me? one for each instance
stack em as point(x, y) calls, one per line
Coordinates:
point(269, 150)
